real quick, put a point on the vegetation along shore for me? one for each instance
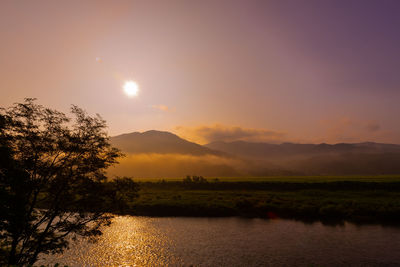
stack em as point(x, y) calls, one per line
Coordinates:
point(331, 200)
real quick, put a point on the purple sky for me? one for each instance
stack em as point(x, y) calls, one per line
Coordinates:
point(303, 71)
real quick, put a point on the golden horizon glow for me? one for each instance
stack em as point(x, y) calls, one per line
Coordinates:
point(131, 88)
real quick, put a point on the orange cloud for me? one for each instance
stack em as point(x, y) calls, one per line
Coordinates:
point(218, 132)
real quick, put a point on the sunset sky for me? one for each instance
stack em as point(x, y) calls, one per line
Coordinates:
point(275, 71)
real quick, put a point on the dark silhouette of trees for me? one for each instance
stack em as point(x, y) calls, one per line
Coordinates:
point(52, 180)
point(194, 181)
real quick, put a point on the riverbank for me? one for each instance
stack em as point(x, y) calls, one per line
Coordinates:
point(327, 201)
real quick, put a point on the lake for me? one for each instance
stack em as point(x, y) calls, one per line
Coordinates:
point(145, 241)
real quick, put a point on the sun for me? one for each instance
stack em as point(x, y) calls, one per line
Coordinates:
point(131, 88)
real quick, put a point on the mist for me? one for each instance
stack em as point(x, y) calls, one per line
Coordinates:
point(154, 165)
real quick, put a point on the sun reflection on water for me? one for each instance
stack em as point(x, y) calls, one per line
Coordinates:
point(129, 242)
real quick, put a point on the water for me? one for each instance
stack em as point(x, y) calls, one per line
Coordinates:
point(144, 241)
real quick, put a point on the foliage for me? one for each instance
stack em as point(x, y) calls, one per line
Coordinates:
point(194, 179)
point(52, 180)
point(327, 201)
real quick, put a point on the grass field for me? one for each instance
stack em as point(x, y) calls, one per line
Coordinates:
point(379, 178)
point(328, 199)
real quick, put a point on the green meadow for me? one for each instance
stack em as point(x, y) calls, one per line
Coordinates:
point(360, 199)
point(361, 178)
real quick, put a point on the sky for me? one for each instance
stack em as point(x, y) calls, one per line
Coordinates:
point(271, 71)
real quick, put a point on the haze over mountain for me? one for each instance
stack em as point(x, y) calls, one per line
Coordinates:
point(164, 154)
point(366, 158)
point(159, 142)
point(288, 150)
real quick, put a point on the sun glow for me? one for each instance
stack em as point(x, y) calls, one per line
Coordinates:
point(131, 88)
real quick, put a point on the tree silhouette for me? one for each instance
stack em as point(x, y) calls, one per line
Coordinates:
point(52, 180)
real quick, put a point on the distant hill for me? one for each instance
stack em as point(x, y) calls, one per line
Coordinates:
point(318, 159)
point(164, 154)
point(157, 154)
point(288, 150)
point(159, 142)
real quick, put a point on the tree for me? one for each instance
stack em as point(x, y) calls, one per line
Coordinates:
point(52, 180)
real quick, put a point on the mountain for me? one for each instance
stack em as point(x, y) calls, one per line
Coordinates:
point(317, 159)
point(164, 154)
point(157, 154)
point(159, 142)
point(288, 150)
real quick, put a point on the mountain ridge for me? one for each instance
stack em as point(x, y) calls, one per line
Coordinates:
point(262, 149)
point(160, 154)
point(161, 142)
